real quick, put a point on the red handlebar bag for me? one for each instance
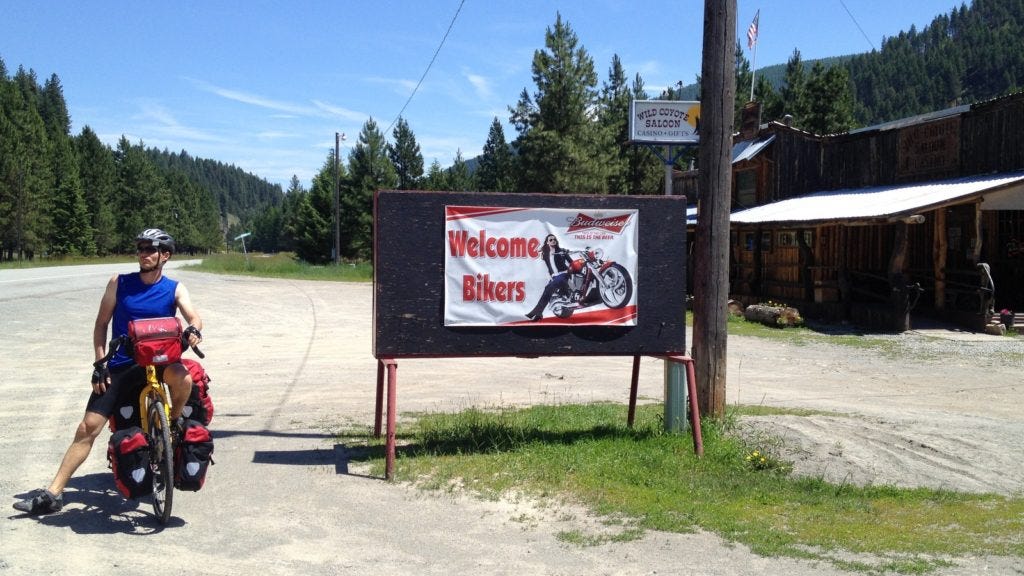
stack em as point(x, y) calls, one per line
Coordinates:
point(156, 341)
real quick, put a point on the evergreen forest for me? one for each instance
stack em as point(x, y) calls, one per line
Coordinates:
point(72, 195)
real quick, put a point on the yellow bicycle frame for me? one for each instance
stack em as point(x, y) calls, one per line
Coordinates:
point(153, 386)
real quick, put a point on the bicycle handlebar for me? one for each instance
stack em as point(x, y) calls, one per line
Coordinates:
point(120, 341)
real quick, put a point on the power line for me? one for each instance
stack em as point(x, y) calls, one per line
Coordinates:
point(858, 25)
point(434, 57)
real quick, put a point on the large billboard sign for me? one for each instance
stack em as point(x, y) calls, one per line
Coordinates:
point(465, 274)
point(514, 266)
point(664, 122)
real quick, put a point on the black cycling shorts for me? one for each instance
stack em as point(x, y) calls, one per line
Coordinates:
point(125, 384)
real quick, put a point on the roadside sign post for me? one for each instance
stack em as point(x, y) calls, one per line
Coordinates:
point(663, 125)
point(242, 238)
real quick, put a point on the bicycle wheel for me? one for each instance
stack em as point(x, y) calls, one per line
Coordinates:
point(162, 461)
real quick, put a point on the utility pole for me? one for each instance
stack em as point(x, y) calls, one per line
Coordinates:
point(338, 137)
point(711, 248)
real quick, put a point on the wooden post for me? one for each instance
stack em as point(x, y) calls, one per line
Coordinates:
point(898, 278)
point(939, 265)
point(711, 250)
point(975, 255)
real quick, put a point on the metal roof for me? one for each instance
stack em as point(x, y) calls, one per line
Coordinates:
point(881, 202)
point(912, 120)
point(749, 148)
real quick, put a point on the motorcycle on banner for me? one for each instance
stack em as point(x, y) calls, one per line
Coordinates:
point(592, 280)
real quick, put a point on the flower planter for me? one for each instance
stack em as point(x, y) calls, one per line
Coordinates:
point(1006, 319)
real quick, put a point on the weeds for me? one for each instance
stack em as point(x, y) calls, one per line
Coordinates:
point(585, 454)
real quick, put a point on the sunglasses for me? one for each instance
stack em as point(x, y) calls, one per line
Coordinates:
point(147, 250)
point(552, 241)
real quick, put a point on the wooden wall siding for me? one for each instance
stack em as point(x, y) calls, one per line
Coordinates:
point(853, 261)
point(992, 136)
point(859, 160)
point(796, 160)
point(685, 184)
point(781, 275)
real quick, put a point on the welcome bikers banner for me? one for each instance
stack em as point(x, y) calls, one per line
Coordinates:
point(496, 272)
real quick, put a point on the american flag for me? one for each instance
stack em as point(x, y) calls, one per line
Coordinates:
point(752, 32)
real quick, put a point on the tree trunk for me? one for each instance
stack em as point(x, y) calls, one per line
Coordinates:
point(768, 315)
point(711, 250)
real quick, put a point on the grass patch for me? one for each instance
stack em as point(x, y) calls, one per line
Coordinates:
point(585, 454)
point(65, 261)
point(283, 265)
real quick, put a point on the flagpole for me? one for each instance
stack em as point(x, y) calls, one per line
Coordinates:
point(752, 34)
point(753, 72)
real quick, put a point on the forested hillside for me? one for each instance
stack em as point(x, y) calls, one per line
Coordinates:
point(969, 55)
point(65, 195)
point(71, 195)
point(239, 194)
point(973, 53)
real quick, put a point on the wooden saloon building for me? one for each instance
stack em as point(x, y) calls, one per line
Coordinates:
point(920, 216)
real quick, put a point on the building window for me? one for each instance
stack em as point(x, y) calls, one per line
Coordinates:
point(749, 241)
point(787, 239)
point(746, 188)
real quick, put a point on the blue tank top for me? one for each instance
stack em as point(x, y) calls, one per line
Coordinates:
point(136, 299)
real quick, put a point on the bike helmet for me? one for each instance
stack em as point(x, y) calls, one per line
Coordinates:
point(158, 238)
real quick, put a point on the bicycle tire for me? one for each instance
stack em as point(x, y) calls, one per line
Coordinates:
point(162, 460)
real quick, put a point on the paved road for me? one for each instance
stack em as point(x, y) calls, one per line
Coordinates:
point(292, 366)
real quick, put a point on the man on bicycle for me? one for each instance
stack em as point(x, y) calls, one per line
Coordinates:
point(139, 295)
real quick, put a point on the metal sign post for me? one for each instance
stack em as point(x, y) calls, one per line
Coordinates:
point(242, 238)
point(662, 125)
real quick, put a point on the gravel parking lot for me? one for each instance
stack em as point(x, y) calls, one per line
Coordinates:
point(291, 365)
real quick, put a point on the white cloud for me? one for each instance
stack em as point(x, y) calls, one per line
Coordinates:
point(340, 112)
point(481, 84)
point(400, 86)
point(164, 123)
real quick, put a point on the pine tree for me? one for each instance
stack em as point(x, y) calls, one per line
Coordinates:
point(437, 178)
point(310, 232)
point(646, 171)
point(495, 172)
point(829, 100)
point(744, 77)
point(370, 170)
point(560, 147)
point(98, 174)
point(771, 102)
point(73, 234)
point(405, 155)
point(459, 178)
point(794, 100)
point(615, 100)
point(25, 171)
point(143, 198)
point(290, 209)
point(312, 227)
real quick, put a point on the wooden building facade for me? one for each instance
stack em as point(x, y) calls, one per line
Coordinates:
point(922, 214)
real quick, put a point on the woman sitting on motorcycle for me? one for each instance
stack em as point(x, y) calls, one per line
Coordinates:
point(557, 260)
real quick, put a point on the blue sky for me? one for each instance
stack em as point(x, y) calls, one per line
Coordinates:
point(264, 85)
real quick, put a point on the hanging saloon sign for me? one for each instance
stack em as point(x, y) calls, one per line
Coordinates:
point(664, 122)
point(507, 266)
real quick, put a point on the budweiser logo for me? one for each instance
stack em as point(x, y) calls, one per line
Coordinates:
point(613, 224)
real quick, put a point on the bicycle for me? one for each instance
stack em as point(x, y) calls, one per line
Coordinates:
point(155, 415)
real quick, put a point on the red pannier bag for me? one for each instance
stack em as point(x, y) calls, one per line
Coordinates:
point(156, 341)
point(128, 454)
point(192, 456)
point(199, 406)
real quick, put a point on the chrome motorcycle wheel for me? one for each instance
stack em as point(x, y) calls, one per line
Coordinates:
point(615, 286)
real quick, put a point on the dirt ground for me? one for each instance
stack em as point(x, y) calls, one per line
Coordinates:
point(292, 365)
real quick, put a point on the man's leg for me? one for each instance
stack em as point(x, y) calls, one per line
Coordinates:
point(51, 499)
point(180, 382)
point(85, 435)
